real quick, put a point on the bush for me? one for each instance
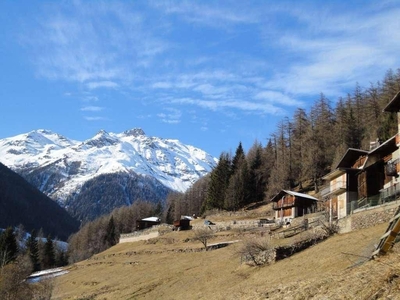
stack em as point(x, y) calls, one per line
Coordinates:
point(257, 252)
point(203, 235)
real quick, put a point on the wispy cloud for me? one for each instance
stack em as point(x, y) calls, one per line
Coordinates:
point(87, 118)
point(205, 14)
point(90, 98)
point(92, 108)
point(101, 84)
point(172, 116)
point(250, 57)
point(96, 43)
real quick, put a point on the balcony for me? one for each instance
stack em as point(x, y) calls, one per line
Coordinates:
point(283, 203)
point(335, 188)
point(389, 194)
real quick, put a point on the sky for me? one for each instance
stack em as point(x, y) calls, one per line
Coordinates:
point(208, 73)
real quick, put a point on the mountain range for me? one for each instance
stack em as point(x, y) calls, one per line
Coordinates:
point(92, 177)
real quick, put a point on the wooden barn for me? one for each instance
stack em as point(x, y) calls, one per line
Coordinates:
point(289, 205)
point(147, 223)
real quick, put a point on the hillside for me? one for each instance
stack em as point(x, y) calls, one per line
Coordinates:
point(21, 203)
point(174, 267)
point(92, 177)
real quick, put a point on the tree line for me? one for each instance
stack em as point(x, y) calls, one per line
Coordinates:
point(20, 255)
point(102, 233)
point(42, 253)
point(298, 153)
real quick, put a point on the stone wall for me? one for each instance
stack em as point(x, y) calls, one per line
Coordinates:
point(368, 217)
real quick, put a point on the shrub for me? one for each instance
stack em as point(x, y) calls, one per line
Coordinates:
point(256, 251)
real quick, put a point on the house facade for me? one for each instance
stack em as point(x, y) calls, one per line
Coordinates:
point(365, 178)
point(289, 205)
point(147, 223)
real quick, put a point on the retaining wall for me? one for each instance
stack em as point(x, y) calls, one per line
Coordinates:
point(368, 217)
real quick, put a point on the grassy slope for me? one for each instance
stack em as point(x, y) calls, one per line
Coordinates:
point(159, 269)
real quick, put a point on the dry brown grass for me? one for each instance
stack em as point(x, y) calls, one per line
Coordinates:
point(174, 266)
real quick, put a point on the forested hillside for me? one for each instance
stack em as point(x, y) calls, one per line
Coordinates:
point(21, 203)
point(301, 150)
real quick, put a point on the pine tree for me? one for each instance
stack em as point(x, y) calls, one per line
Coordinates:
point(320, 141)
point(301, 129)
point(219, 181)
point(8, 247)
point(48, 259)
point(111, 237)
point(33, 251)
point(256, 175)
point(238, 192)
point(239, 156)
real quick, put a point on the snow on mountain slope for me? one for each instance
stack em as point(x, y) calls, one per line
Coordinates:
point(72, 163)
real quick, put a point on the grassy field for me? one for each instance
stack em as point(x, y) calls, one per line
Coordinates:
point(173, 266)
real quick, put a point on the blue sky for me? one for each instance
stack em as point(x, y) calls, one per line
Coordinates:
point(209, 73)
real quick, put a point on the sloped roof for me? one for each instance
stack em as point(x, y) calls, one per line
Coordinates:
point(151, 219)
point(296, 194)
point(384, 149)
point(350, 157)
point(394, 104)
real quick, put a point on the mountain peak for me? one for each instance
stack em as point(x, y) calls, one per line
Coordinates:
point(134, 132)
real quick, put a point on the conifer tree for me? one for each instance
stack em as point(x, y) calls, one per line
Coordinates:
point(111, 237)
point(239, 156)
point(48, 259)
point(238, 191)
point(219, 181)
point(8, 247)
point(33, 251)
point(256, 174)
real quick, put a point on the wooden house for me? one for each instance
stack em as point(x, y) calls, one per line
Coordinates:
point(289, 205)
point(182, 224)
point(392, 188)
point(357, 180)
point(365, 178)
point(147, 223)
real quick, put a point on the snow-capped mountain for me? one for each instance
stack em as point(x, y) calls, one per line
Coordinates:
point(62, 167)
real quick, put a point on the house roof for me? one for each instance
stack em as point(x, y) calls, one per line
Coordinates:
point(394, 104)
point(384, 149)
point(151, 219)
point(350, 157)
point(278, 196)
point(335, 173)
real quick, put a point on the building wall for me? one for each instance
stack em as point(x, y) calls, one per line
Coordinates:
point(338, 182)
point(285, 214)
point(342, 205)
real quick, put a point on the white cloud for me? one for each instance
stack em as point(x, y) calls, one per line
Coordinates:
point(278, 98)
point(161, 85)
point(96, 118)
point(97, 42)
point(172, 117)
point(90, 98)
point(92, 108)
point(101, 84)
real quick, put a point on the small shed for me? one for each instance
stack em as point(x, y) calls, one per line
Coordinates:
point(289, 205)
point(183, 223)
point(147, 223)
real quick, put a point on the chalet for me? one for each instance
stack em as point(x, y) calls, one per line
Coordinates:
point(365, 178)
point(289, 205)
point(147, 223)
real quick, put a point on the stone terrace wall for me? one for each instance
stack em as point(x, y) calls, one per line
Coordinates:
point(374, 215)
point(368, 217)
